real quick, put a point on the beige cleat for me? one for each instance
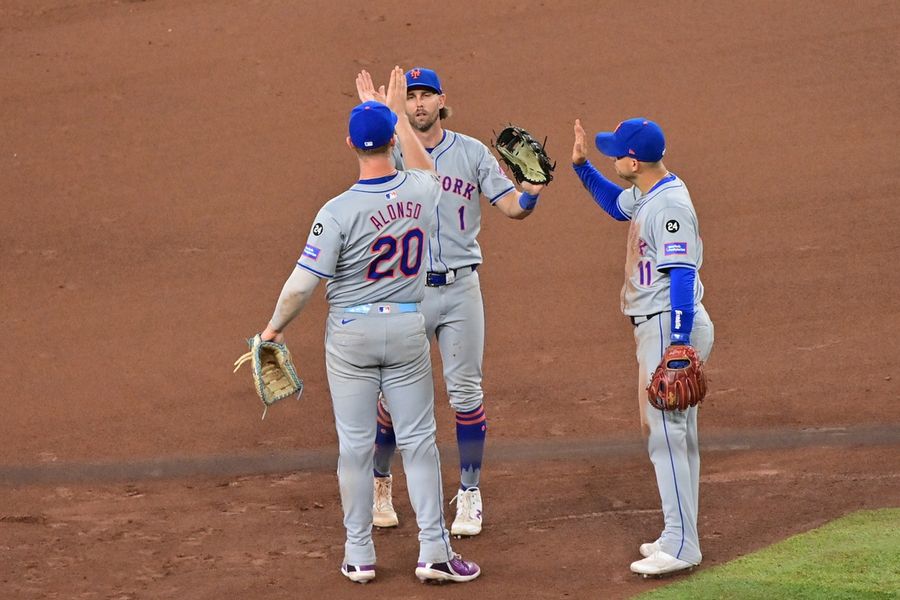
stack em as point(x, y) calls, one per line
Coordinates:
point(383, 513)
point(649, 548)
point(660, 563)
point(468, 513)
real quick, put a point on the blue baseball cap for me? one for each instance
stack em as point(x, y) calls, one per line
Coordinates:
point(371, 125)
point(639, 138)
point(420, 77)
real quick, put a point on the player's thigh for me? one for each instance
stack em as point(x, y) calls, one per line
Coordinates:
point(432, 309)
point(407, 357)
point(461, 331)
point(354, 378)
point(354, 397)
point(407, 384)
point(651, 339)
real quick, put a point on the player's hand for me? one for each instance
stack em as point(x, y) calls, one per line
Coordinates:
point(366, 89)
point(396, 92)
point(532, 188)
point(579, 154)
point(270, 335)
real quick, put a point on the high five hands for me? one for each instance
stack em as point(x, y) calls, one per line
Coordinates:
point(394, 97)
point(579, 154)
point(366, 89)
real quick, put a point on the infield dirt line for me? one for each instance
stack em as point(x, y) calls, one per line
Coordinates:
point(325, 459)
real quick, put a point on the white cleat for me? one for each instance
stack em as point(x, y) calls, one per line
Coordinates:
point(649, 548)
point(660, 563)
point(358, 574)
point(468, 513)
point(383, 513)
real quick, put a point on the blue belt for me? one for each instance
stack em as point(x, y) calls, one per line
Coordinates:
point(383, 308)
point(441, 279)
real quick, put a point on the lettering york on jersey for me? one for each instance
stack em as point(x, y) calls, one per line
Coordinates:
point(455, 185)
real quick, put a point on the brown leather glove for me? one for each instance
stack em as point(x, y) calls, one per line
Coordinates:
point(679, 381)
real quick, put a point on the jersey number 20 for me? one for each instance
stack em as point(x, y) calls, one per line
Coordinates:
point(411, 246)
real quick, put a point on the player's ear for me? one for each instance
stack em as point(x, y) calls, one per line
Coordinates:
point(442, 100)
point(350, 143)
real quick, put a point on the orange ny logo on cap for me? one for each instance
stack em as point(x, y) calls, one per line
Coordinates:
point(415, 73)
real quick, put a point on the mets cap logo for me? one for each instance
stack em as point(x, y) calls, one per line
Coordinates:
point(415, 73)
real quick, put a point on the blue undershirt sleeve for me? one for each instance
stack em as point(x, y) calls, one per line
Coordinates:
point(681, 295)
point(604, 191)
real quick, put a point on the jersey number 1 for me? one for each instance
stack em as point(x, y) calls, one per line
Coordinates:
point(410, 255)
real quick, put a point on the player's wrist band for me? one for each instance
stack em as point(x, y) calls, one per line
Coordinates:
point(680, 338)
point(528, 201)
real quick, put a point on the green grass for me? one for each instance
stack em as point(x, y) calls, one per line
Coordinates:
point(857, 556)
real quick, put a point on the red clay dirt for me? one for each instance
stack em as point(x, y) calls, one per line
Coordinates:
point(160, 164)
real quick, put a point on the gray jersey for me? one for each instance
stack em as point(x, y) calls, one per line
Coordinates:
point(664, 233)
point(369, 242)
point(467, 170)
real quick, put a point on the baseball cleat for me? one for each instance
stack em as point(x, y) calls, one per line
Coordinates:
point(649, 548)
point(383, 513)
point(660, 563)
point(358, 574)
point(468, 513)
point(456, 569)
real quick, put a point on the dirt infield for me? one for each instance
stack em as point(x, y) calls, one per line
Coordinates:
point(160, 164)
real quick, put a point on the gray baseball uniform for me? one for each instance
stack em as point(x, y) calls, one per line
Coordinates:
point(664, 233)
point(453, 305)
point(454, 310)
point(369, 243)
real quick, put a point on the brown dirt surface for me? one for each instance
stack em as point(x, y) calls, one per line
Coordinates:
point(161, 161)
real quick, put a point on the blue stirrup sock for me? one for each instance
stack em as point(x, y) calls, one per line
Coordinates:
point(385, 443)
point(471, 429)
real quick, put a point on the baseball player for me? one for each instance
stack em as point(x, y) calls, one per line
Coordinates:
point(369, 244)
point(453, 306)
point(662, 298)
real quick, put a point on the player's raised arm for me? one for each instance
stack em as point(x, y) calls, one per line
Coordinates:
point(604, 191)
point(579, 153)
point(414, 154)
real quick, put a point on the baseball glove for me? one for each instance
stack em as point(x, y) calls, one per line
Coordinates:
point(524, 155)
point(273, 371)
point(679, 381)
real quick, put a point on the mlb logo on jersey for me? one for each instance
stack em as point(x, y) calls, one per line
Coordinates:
point(384, 308)
point(675, 248)
point(391, 195)
point(311, 252)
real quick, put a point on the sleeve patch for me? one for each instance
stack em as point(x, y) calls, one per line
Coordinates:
point(673, 248)
point(311, 252)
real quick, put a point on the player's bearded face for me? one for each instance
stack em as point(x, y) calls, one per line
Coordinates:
point(423, 107)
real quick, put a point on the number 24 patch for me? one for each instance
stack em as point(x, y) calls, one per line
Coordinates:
point(672, 248)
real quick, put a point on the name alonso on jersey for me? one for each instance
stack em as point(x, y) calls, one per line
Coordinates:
point(396, 210)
